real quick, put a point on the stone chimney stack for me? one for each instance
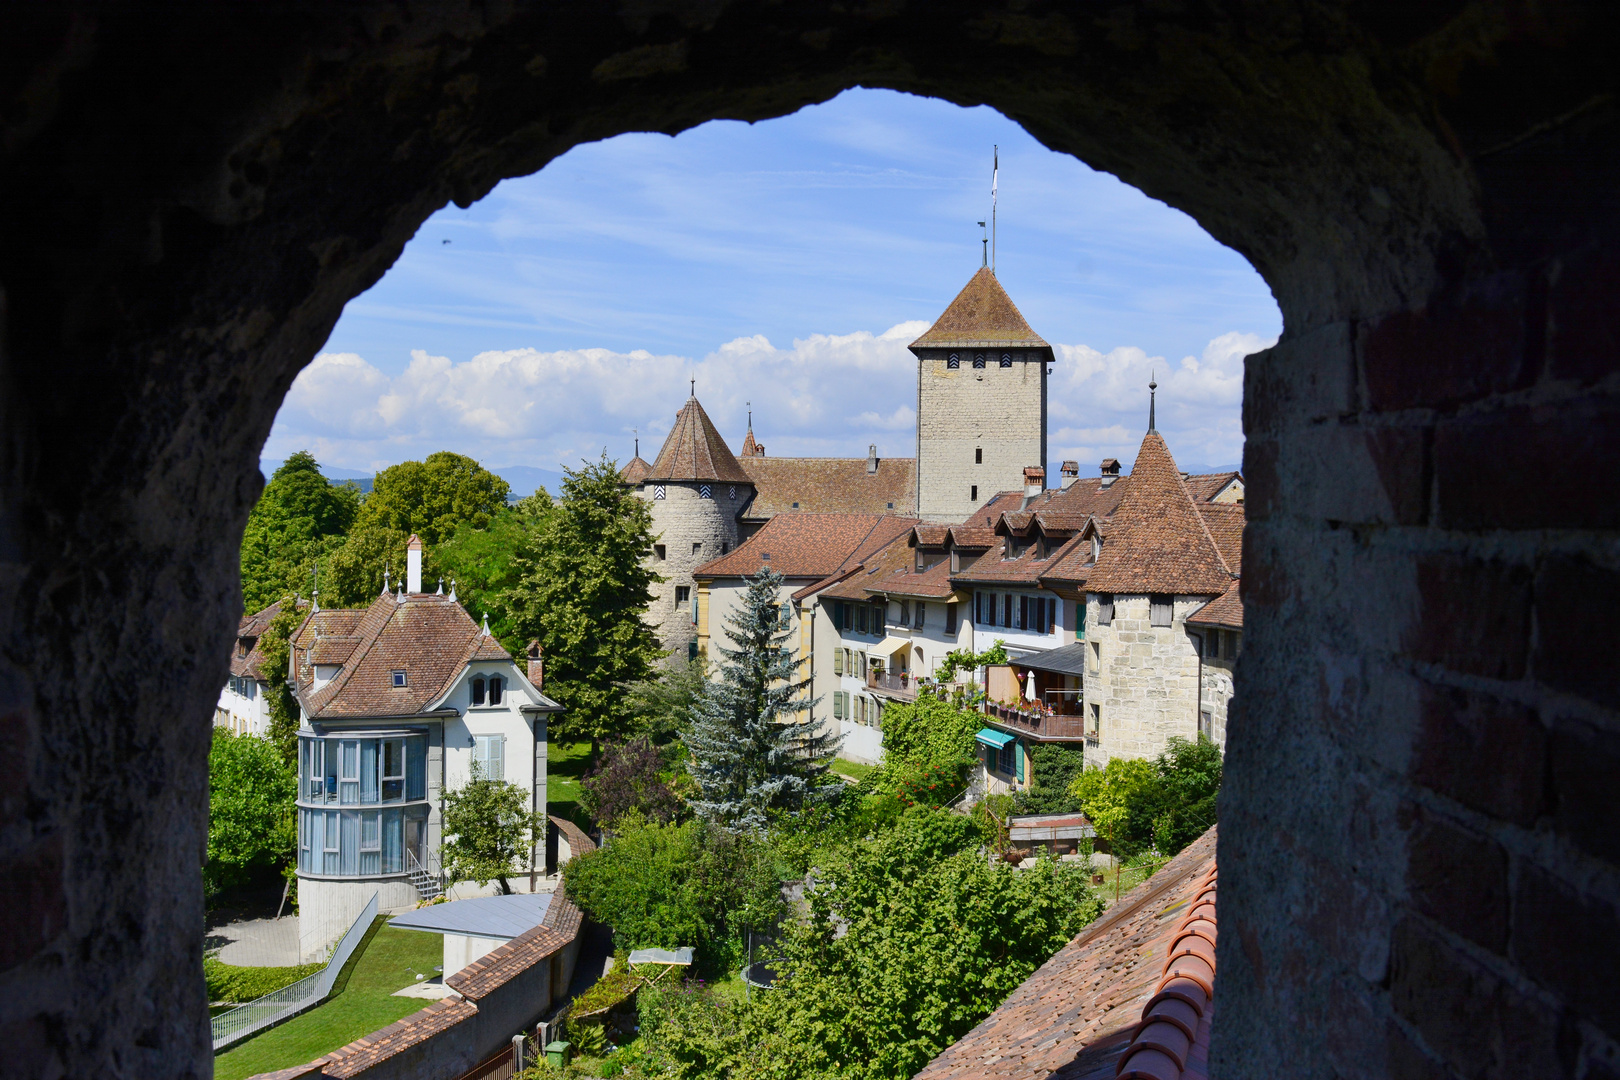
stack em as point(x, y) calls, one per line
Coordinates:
point(871, 458)
point(537, 666)
point(1110, 471)
point(1071, 473)
point(1034, 480)
point(413, 565)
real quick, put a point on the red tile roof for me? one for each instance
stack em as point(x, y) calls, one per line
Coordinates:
point(982, 314)
point(801, 545)
point(249, 631)
point(695, 451)
point(1106, 996)
point(1225, 611)
point(829, 486)
point(429, 637)
point(891, 571)
point(635, 471)
point(1159, 543)
point(1225, 524)
point(1025, 570)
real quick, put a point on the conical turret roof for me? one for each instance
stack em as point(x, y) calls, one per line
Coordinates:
point(982, 315)
point(635, 471)
point(1158, 542)
point(695, 451)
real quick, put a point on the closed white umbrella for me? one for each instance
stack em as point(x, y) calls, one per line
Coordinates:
point(1029, 691)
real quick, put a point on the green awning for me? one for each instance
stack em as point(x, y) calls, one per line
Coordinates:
point(997, 739)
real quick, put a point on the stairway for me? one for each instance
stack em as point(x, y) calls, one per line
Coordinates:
point(428, 885)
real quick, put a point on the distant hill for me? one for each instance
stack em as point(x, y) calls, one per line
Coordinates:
point(523, 478)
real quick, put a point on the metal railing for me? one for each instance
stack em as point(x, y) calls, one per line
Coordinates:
point(894, 682)
point(272, 1008)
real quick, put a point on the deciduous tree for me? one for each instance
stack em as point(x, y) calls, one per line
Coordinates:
point(250, 809)
point(487, 830)
point(583, 593)
point(432, 498)
point(300, 517)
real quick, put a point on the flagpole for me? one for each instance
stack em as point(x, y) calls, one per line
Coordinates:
point(995, 170)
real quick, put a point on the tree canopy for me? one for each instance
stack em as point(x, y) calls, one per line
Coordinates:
point(433, 498)
point(750, 756)
point(301, 516)
point(250, 809)
point(487, 829)
point(583, 592)
point(1165, 802)
point(484, 565)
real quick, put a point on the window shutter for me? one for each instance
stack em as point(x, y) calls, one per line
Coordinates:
point(1024, 621)
point(838, 661)
point(950, 619)
point(1018, 756)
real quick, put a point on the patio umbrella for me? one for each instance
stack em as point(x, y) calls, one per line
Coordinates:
point(1029, 691)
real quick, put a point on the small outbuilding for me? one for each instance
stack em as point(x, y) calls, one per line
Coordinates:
point(478, 926)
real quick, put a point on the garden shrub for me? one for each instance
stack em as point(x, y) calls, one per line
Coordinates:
point(239, 985)
point(632, 776)
point(1164, 803)
point(1054, 769)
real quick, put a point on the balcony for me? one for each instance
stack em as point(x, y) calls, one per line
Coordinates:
point(899, 685)
point(1060, 720)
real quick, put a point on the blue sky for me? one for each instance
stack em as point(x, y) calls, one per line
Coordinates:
point(785, 263)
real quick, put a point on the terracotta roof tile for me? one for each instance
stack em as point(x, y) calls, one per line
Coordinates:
point(829, 486)
point(981, 314)
point(363, 1053)
point(332, 650)
point(695, 451)
point(1026, 569)
point(429, 637)
point(1205, 486)
point(892, 571)
point(1225, 611)
point(635, 471)
point(1225, 524)
point(931, 535)
point(801, 545)
point(1159, 543)
point(1077, 1016)
point(249, 664)
point(976, 537)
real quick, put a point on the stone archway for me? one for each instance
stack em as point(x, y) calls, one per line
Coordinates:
point(1417, 857)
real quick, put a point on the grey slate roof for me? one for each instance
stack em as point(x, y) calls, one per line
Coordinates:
point(1067, 659)
point(502, 917)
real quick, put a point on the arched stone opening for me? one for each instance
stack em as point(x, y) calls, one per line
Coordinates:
point(1419, 865)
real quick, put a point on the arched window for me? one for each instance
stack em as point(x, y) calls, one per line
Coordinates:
point(478, 690)
point(953, 361)
point(497, 687)
point(978, 360)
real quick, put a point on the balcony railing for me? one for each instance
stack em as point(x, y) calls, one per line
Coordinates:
point(896, 684)
point(1041, 721)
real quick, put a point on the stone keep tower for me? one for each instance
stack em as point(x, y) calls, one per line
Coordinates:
point(696, 489)
point(981, 402)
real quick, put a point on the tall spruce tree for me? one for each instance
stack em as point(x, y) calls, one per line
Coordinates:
point(749, 756)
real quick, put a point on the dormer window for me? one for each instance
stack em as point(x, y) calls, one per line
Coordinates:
point(478, 690)
point(399, 677)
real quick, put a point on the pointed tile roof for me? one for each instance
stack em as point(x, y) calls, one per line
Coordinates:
point(1159, 543)
point(695, 451)
point(635, 471)
point(981, 315)
point(752, 447)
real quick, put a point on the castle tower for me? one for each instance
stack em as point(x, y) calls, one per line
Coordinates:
point(981, 402)
point(696, 489)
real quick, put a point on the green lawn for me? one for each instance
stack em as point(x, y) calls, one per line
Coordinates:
point(565, 764)
point(361, 1004)
point(852, 769)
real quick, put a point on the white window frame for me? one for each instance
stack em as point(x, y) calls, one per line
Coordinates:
point(481, 743)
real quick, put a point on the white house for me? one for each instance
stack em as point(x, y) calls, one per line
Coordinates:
point(243, 707)
point(398, 701)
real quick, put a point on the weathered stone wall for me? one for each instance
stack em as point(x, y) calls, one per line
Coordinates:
point(1217, 686)
point(1419, 869)
point(1001, 411)
point(693, 531)
point(1148, 684)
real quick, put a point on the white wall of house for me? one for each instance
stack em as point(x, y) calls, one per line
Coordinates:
point(243, 708)
point(1021, 638)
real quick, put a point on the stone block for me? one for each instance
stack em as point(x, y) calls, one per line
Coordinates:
point(1478, 1024)
point(1576, 603)
point(1583, 324)
point(1569, 943)
point(1547, 466)
point(1457, 349)
point(1456, 877)
point(1585, 776)
point(1304, 379)
point(1487, 753)
point(1473, 616)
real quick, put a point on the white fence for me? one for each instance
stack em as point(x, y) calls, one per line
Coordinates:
point(239, 1023)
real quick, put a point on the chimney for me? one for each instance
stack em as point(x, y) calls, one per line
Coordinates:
point(1071, 472)
point(413, 565)
point(871, 458)
point(537, 666)
point(1034, 480)
point(1110, 471)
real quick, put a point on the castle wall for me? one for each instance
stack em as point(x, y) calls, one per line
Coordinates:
point(1144, 678)
point(692, 531)
point(1001, 411)
point(1216, 690)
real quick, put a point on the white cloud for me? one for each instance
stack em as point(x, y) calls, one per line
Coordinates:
point(827, 394)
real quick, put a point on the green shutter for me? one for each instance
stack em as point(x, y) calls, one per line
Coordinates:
point(838, 661)
point(1018, 756)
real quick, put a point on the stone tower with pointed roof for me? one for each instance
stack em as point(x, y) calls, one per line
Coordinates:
point(981, 401)
point(696, 489)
